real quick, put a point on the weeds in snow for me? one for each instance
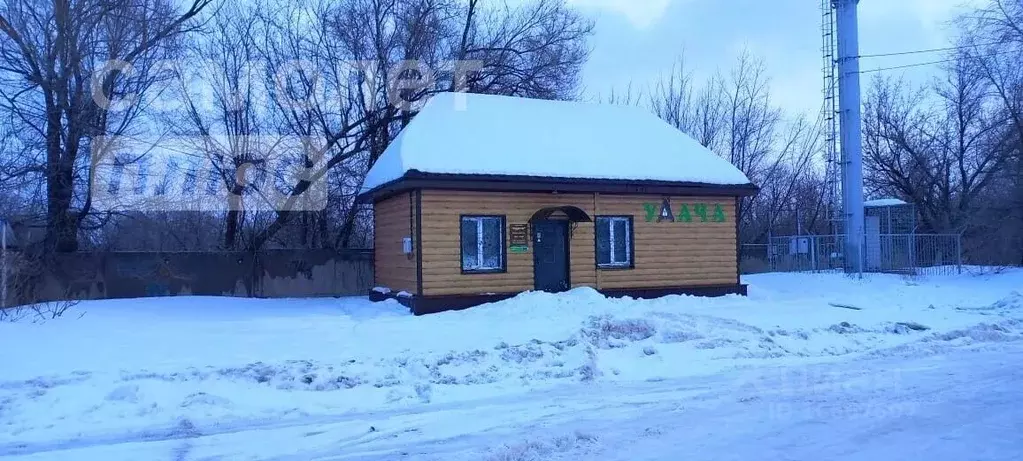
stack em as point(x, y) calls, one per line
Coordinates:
point(543, 450)
point(608, 332)
point(424, 391)
point(590, 370)
point(679, 336)
point(845, 328)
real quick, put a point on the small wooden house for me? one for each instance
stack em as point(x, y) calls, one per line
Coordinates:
point(482, 197)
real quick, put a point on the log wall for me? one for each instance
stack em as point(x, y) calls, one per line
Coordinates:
point(393, 220)
point(679, 253)
point(442, 265)
point(666, 254)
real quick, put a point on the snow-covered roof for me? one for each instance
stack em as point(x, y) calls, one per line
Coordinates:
point(883, 202)
point(459, 133)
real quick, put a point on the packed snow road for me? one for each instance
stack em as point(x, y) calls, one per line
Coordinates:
point(965, 405)
point(955, 404)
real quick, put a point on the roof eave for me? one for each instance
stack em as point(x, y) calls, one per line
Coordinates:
point(415, 179)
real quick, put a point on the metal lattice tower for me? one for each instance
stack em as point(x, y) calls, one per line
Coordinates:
point(832, 152)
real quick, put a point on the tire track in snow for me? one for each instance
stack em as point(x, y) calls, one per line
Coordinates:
point(190, 430)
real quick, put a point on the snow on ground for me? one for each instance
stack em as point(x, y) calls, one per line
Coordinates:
point(168, 368)
point(959, 404)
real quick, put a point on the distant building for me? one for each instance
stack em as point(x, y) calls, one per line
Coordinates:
point(24, 230)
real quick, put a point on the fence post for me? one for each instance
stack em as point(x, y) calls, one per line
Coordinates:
point(912, 254)
point(959, 253)
point(3, 265)
point(862, 254)
point(813, 252)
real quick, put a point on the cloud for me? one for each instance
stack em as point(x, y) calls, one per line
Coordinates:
point(641, 13)
point(931, 13)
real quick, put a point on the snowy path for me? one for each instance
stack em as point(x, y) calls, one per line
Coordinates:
point(955, 405)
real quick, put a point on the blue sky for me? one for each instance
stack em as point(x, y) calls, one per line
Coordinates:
point(638, 40)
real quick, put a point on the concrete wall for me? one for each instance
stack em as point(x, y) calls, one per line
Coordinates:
point(272, 274)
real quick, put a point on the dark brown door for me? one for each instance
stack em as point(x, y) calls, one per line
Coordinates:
point(550, 256)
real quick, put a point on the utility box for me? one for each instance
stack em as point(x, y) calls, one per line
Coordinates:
point(799, 245)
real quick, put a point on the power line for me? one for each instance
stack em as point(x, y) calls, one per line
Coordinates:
point(932, 50)
point(921, 64)
point(906, 66)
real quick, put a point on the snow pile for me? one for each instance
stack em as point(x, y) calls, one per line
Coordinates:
point(180, 365)
point(458, 133)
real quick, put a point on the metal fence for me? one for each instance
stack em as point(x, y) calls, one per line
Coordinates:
point(908, 254)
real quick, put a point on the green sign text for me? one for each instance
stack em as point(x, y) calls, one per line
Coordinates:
point(687, 212)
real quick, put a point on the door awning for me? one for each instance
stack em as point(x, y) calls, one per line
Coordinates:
point(575, 214)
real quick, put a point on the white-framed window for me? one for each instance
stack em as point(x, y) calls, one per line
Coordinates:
point(482, 240)
point(614, 242)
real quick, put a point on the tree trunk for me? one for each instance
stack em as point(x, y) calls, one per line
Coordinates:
point(61, 225)
point(231, 230)
point(321, 222)
point(234, 204)
point(303, 230)
point(348, 228)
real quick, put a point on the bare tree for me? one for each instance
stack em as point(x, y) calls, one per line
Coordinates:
point(61, 64)
point(992, 45)
point(936, 146)
point(735, 117)
point(697, 111)
point(366, 64)
point(534, 50)
point(318, 90)
point(342, 76)
point(227, 122)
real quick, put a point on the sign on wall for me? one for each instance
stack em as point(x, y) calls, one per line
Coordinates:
point(686, 212)
point(518, 238)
